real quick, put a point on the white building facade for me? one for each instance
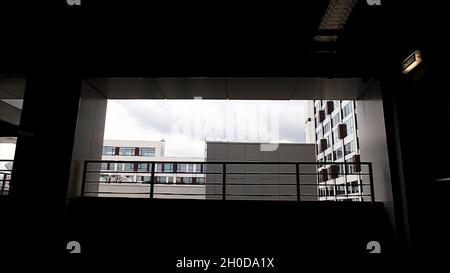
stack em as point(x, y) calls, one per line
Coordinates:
point(332, 126)
point(123, 175)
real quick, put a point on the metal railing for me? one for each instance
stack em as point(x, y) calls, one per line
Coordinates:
point(5, 177)
point(294, 181)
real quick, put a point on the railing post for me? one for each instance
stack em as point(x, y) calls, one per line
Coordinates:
point(83, 180)
point(297, 172)
point(224, 179)
point(372, 190)
point(152, 181)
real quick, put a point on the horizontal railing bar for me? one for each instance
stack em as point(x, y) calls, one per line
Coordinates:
point(218, 183)
point(228, 194)
point(231, 162)
point(204, 173)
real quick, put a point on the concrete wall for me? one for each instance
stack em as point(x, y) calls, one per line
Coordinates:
point(133, 190)
point(372, 141)
point(263, 175)
point(88, 136)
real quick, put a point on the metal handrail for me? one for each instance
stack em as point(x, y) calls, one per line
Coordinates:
point(151, 169)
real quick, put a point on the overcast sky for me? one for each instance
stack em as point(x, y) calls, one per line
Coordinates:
point(186, 124)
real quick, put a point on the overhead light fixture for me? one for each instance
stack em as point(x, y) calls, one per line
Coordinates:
point(411, 62)
point(333, 23)
point(337, 14)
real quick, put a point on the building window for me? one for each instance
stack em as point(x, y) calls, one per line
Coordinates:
point(338, 154)
point(161, 179)
point(326, 128)
point(147, 151)
point(126, 151)
point(330, 191)
point(128, 167)
point(319, 134)
point(108, 150)
point(184, 180)
point(348, 148)
point(200, 180)
point(335, 137)
point(328, 141)
point(190, 168)
point(143, 179)
point(104, 166)
point(181, 168)
point(340, 189)
point(143, 167)
point(353, 187)
point(198, 168)
point(168, 168)
point(328, 157)
point(350, 127)
point(336, 119)
point(347, 110)
point(336, 104)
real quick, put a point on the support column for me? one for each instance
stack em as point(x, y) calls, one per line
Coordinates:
point(45, 143)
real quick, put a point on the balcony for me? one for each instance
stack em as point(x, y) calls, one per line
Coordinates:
point(264, 181)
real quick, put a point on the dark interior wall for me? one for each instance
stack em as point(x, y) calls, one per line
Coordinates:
point(418, 117)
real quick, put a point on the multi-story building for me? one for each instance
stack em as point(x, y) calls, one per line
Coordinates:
point(122, 175)
point(332, 126)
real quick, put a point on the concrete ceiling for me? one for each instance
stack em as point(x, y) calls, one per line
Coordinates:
point(231, 88)
point(12, 88)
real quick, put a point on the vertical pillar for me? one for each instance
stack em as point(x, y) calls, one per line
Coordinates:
point(45, 142)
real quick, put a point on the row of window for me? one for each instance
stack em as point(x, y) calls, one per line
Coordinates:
point(146, 179)
point(129, 151)
point(352, 188)
point(146, 167)
point(342, 169)
point(337, 154)
point(336, 119)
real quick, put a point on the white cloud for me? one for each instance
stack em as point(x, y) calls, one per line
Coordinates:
point(186, 124)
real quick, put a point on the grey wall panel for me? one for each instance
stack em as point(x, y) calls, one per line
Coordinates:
point(264, 175)
point(88, 136)
point(372, 141)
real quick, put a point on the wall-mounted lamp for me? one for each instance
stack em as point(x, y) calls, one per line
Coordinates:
point(411, 62)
